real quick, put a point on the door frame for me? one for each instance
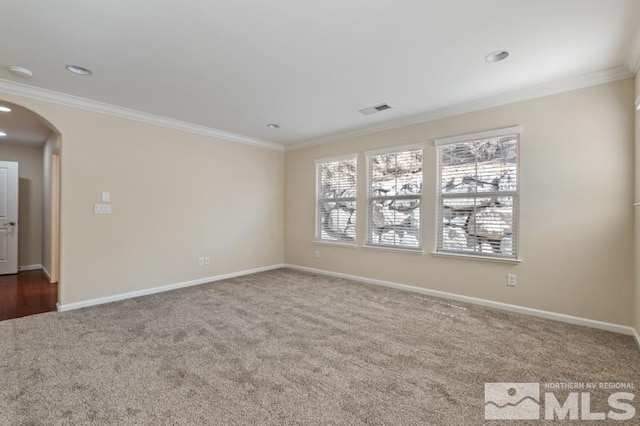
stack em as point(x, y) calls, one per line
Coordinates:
point(54, 276)
point(12, 197)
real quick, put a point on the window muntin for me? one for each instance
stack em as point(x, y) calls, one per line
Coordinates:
point(394, 199)
point(478, 195)
point(336, 200)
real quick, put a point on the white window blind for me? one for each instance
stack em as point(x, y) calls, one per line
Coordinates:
point(336, 203)
point(394, 198)
point(478, 194)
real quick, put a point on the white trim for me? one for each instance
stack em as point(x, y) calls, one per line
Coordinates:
point(616, 328)
point(637, 336)
point(29, 267)
point(418, 250)
point(41, 94)
point(336, 243)
point(513, 130)
point(336, 158)
point(145, 292)
point(476, 257)
point(524, 94)
point(46, 273)
point(393, 149)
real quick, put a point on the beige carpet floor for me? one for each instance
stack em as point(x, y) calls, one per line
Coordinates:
point(286, 347)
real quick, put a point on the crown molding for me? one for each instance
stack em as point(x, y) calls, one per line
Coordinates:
point(546, 89)
point(532, 92)
point(37, 93)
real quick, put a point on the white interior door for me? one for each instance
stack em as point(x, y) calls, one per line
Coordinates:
point(8, 217)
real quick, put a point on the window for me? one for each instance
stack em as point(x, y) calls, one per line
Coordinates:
point(395, 193)
point(336, 208)
point(478, 194)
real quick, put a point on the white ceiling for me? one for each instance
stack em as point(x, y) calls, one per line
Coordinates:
point(22, 126)
point(308, 65)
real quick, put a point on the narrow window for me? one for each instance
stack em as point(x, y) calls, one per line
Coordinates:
point(336, 200)
point(478, 194)
point(394, 198)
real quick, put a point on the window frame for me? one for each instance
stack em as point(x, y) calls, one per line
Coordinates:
point(516, 225)
point(318, 219)
point(369, 198)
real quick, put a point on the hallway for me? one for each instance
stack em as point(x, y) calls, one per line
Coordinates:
point(26, 293)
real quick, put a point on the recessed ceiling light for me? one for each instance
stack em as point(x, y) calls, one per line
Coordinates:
point(79, 70)
point(497, 56)
point(20, 72)
point(273, 126)
point(4, 109)
point(2, 134)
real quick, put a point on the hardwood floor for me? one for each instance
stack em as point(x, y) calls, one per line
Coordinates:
point(26, 293)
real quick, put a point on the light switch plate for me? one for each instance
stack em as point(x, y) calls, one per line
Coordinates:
point(102, 209)
point(106, 197)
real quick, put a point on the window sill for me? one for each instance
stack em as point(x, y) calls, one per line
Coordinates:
point(418, 251)
point(335, 243)
point(472, 257)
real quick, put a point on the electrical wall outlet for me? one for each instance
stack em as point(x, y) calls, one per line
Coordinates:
point(207, 260)
point(201, 261)
point(317, 254)
point(511, 280)
point(102, 209)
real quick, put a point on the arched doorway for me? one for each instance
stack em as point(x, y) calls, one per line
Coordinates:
point(29, 243)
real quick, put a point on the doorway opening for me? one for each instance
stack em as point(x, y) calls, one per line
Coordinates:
point(29, 212)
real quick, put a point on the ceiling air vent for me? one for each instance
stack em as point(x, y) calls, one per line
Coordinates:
point(375, 108)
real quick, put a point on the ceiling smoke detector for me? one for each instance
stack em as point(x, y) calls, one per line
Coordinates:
point(78, 70)
point(375, 108)
point(20, 72)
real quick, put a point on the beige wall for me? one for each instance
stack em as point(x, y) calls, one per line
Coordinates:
point(172, 202)
point(29, 202)
point(175, 196)
point(576, 168)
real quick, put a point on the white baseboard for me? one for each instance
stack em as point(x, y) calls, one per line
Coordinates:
point(169, 287)
point(48, 275)
point(616, 328)
point(29, 267)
